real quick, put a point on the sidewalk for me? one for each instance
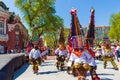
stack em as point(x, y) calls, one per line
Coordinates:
point(48, 71)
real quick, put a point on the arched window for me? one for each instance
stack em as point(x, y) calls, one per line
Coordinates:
point(1, 27)
point(17, 28)
point(17, 38)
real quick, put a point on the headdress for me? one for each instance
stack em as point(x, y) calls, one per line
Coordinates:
point(61, 40)
point(90, 34)
point(61, 37)
point(76, 32)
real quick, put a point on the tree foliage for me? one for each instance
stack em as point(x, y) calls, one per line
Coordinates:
point(114, 32)
point(52, 38)
point(41, 13)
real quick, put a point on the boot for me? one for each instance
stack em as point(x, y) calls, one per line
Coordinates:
point(68, 70)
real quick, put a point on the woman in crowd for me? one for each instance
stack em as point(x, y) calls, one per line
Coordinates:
point(118, 52)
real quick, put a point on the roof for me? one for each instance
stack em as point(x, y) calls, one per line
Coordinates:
point(3, 6)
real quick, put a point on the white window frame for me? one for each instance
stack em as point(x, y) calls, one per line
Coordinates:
point(2, 31)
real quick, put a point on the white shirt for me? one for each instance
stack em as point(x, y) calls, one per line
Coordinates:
point(105, 53)
point(60, 52)
point(99, 51)
point(118, 48)
point(91, 60)
point(113, 49)
point(44, 52)
point(81, 59)
point(34, 54)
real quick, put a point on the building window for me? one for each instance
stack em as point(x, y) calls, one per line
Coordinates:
point(17, 28)
point(1, 28)
point(17, 38)
point(96, 29)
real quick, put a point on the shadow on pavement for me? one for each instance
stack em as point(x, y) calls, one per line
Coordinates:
point(109, 68)
point(20, 71)
point(46, 62)
point(106, 79)
point(47, 65)
point(48, 72)
point(106, 74)
point(98, 63)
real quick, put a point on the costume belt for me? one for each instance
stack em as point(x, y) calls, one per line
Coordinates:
point(84, 65)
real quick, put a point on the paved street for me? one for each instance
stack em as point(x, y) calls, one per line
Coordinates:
point(48, 71)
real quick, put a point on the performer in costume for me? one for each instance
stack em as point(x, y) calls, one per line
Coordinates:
point(89, 43)
point(80, 65)
point(77, 57)
point(61, 51)
point(34, 57)
point(107, 55)
point(61, 54)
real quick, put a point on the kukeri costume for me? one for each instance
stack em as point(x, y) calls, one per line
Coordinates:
point(81, 60)
point(89, 43)
point(61, 51)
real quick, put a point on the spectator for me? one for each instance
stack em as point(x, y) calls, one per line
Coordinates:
point(118, 52)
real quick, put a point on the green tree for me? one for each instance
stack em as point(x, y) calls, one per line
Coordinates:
point(51, 40)
point(66, 33)
point(41, 13)
point(115, 27)
point(53, 36)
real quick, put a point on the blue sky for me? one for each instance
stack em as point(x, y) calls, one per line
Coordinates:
point(103, 10)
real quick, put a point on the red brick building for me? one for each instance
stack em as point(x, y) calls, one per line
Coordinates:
point(13, 33)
